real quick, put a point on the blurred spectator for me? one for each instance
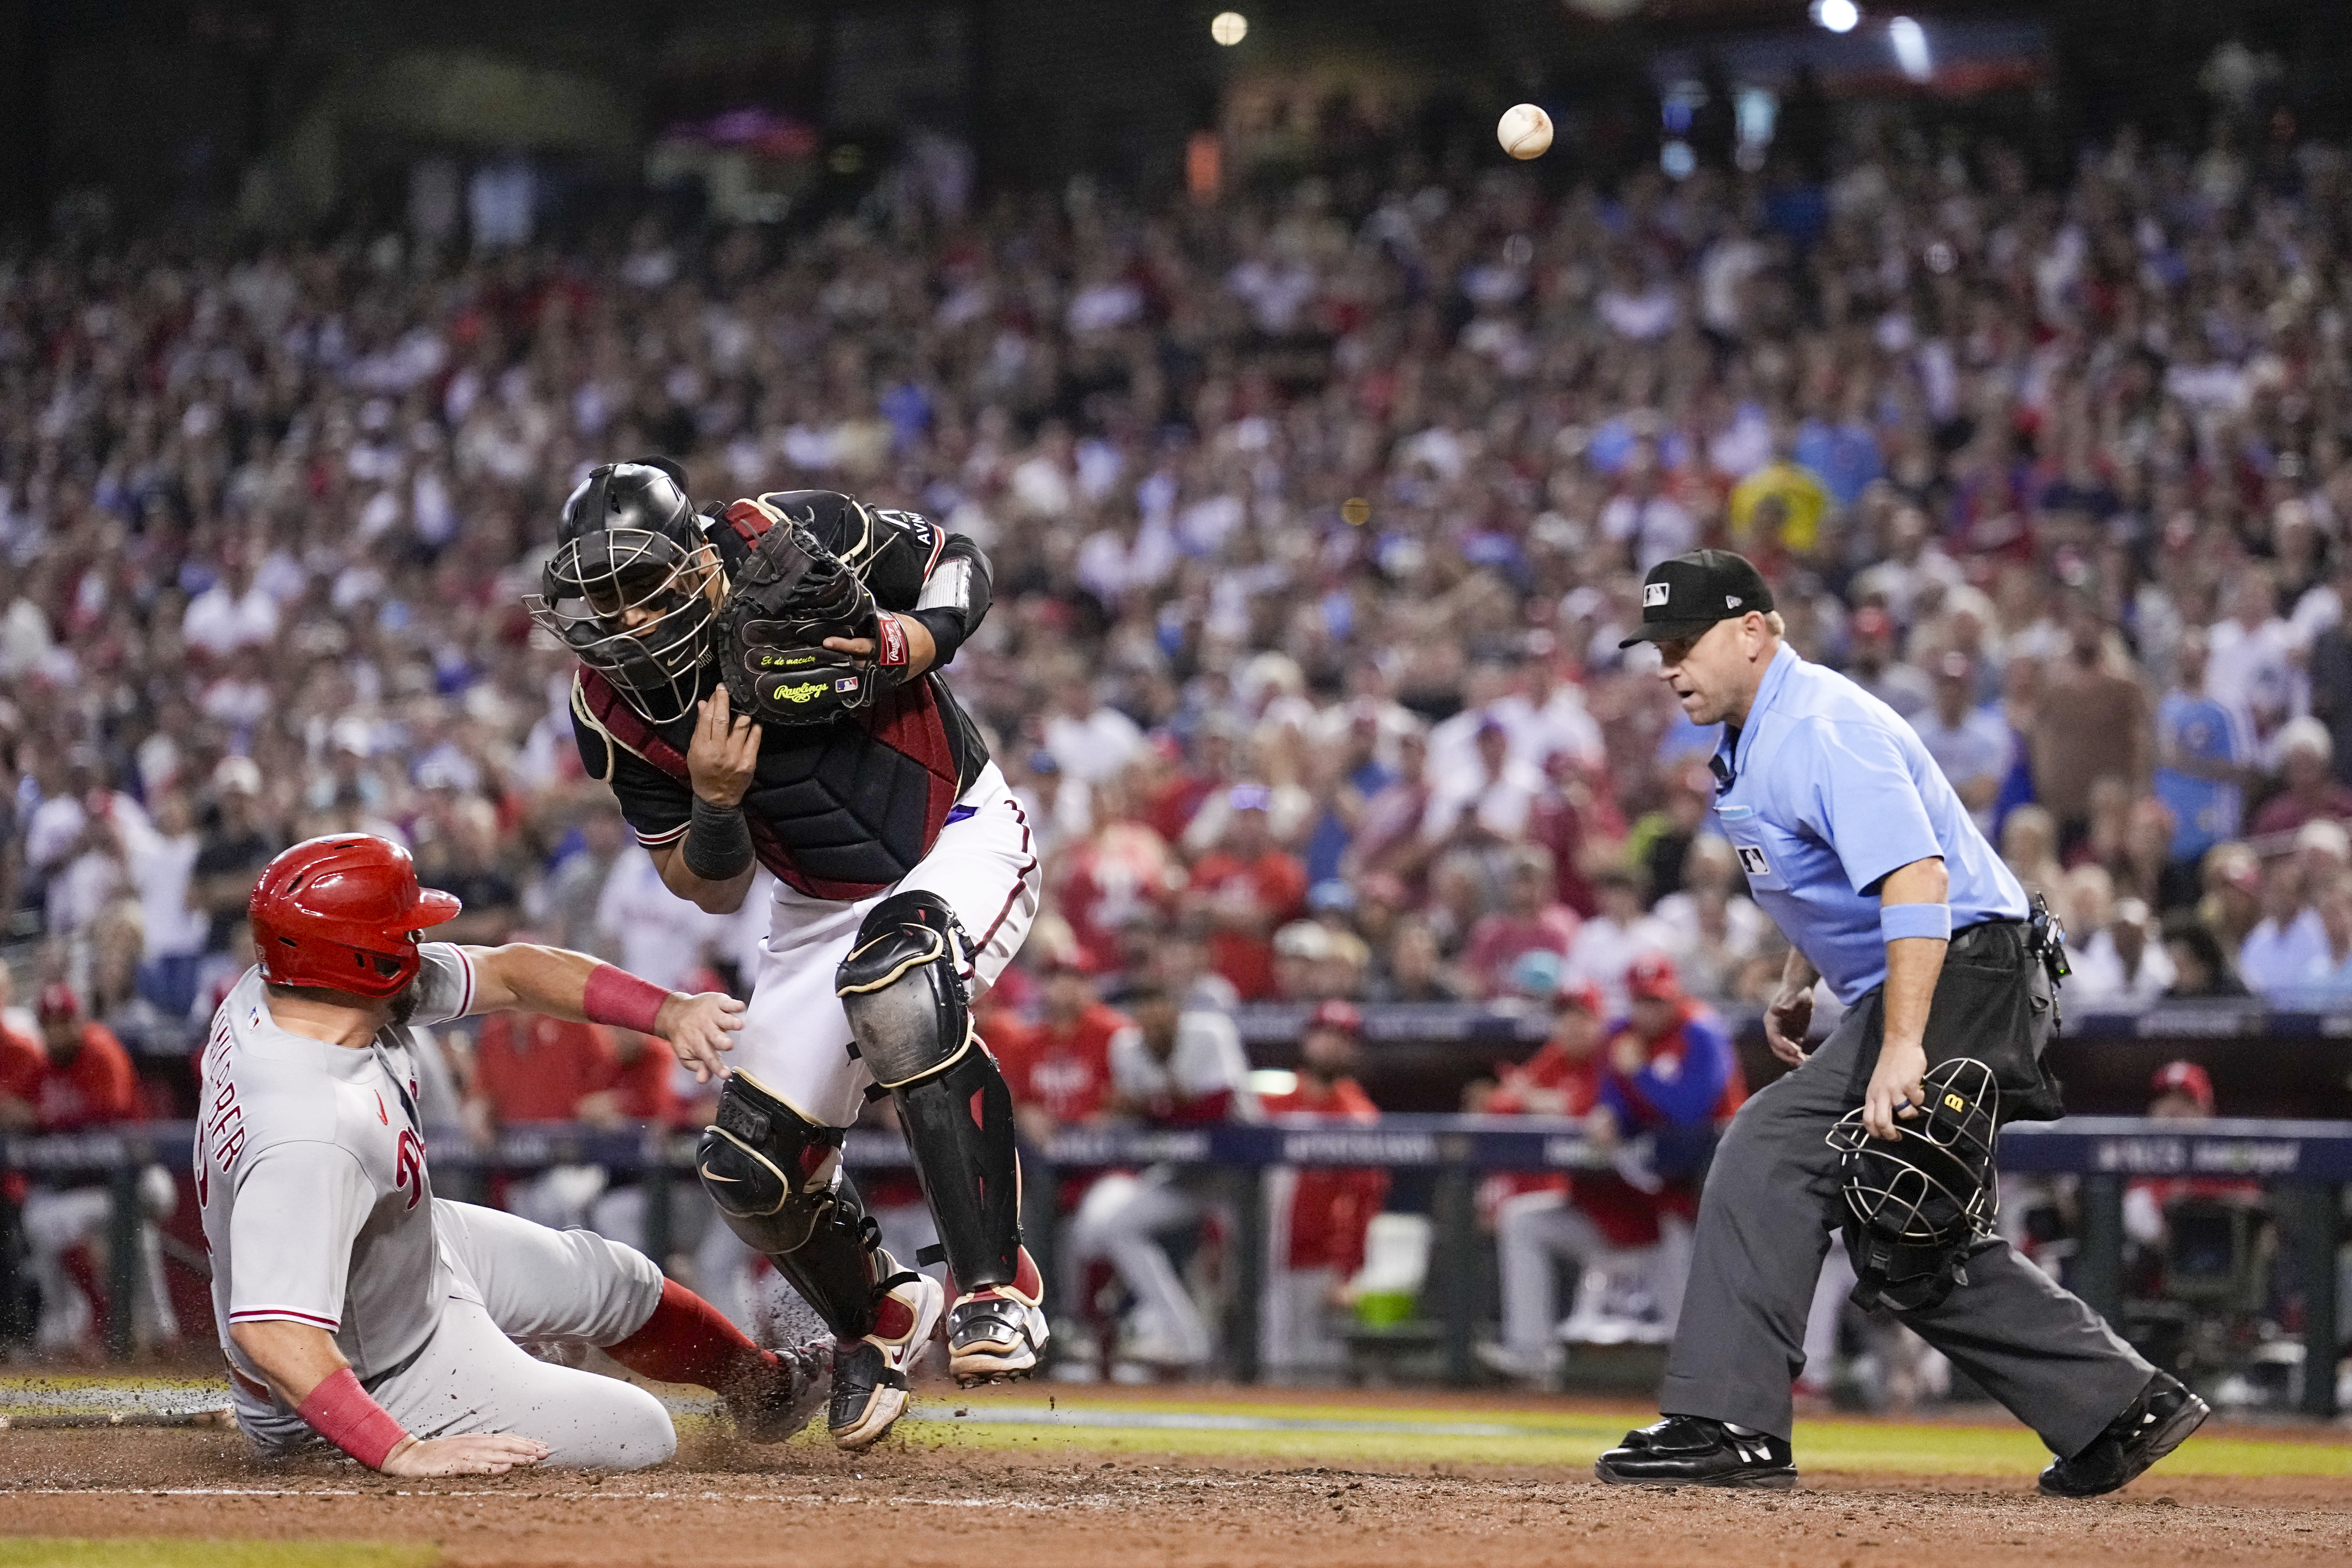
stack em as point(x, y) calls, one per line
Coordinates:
point(2029, 845)
point(1413, 969)
point(2091, 723)
point(1607, 944)
point(1969, 744)
point(1715, 930)
point(1178, 1069)
point(1058, 1069)
point(2310, 791)
point(2120, 964)
point(2288, 940)
point(1780, 508)
point(2204, 755)
point(1244, 890)
point(2200, 968)
point(1317, 1216)
point(1528, 920)
point(1875, 666)
point(2182, 1091)
point(2329, 664)
point(2252, 669)
point(2327, 982)
point(2230, 901)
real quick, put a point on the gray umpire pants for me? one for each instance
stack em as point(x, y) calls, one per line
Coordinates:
point(1764, 1223)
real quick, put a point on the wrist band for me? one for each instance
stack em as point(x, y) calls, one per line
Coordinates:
point(1931, 920)
point(618, 998)
point(340, 1411)
point(717, 846)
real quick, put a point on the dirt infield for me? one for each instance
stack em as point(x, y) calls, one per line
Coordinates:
point(942, 1499)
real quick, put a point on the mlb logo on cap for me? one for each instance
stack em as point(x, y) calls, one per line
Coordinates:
point(1654, 595)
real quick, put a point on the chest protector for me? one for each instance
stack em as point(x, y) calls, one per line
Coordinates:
point(840, 811)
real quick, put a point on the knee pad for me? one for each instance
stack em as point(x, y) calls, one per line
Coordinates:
point(776, 1178)
point(903, 990)
point(770, 1170)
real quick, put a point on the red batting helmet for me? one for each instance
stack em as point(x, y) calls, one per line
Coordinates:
point(342, 912)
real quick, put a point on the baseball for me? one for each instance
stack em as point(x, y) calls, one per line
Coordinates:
point(1525, 130)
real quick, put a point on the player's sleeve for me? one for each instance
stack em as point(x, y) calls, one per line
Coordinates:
point(1680, 1093)
point(1867, 805)
point(445, 985)
point(656, 805)
point(300, 1207)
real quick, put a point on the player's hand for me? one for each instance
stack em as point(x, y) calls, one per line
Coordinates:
point(698, 1027)
point(1788, 1020)
point(1894, 1082)
point(921, 649)
point(475, 1454)
point(725, 750)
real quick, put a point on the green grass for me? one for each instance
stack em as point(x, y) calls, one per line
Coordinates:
point(1574, 1440)
point(42, 1551)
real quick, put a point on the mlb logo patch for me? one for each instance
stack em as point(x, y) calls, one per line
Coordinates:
point(845, 684)
point(1752, 861)
point(1654, 595)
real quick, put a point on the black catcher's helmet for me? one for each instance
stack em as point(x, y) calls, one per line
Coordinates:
point(625, 588)
point(1916, 1207)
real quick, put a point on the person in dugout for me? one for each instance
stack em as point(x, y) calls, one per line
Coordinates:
point(1319, 1215)
point(1653, 1088)
point(77, 1078)
point(1176, 1068)
point(530, 1068)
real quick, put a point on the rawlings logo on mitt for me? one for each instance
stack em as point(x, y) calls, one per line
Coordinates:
point(788, 596)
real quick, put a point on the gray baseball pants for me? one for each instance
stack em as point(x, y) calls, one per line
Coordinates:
point(1764, 1223)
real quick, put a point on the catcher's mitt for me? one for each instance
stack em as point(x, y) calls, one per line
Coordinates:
point(788, 596)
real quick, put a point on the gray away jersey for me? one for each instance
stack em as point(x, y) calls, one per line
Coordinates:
point(310, 1168)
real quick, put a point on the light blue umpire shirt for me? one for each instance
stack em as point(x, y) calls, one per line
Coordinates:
point(1830, 791)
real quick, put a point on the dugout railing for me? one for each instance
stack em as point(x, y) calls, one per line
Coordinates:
point(2307, 1165)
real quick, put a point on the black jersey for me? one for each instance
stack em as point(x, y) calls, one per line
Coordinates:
point(841, 810)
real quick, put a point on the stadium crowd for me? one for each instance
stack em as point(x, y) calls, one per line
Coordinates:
point(1316, 519)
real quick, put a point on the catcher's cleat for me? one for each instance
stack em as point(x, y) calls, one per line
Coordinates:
point(2158, 1421)
point(778, 1397)
point(869, 1376)
point(996, 1334)
point(1693, 1451)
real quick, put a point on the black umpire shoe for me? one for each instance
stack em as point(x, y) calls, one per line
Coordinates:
point(2151, 1427)
point(1693, 1451)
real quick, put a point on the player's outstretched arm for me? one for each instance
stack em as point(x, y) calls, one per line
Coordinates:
point(566, 984)
point(308, 1372)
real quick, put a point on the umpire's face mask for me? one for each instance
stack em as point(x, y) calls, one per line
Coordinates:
point(638, 610)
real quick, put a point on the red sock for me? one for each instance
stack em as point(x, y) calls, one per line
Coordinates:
point(687, 1341)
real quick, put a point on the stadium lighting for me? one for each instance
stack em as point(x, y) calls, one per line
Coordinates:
point(1229, 27)
point(1837, 15)
point(1910, 43)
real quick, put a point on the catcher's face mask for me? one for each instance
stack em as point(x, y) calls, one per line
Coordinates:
point(637, 608)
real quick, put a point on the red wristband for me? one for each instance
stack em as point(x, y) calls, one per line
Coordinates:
point(618, 998)
point(340, 1411)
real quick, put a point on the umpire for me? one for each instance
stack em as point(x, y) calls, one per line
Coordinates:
point(1854, 843)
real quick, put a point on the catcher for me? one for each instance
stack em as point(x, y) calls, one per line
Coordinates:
point(759, 686)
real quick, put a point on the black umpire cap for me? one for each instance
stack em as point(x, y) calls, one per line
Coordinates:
point(1684, 596)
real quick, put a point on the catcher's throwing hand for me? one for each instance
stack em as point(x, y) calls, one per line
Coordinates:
point(475, 1454)
point(724, 752)
point(697, 1028)
point(1894, 1082)
point(920, 648)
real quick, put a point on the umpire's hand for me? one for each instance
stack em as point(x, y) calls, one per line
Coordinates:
point(1788, 1019)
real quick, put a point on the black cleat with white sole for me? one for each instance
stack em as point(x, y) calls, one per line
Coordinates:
point(1693, 1451)
point(2158, 1421)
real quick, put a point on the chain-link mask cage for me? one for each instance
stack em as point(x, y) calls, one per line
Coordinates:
point(1917, 1204)
point(626, 587)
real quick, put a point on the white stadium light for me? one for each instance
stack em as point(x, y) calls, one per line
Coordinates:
point(1837, 15)
point(1229, 27)
point(1910, 42)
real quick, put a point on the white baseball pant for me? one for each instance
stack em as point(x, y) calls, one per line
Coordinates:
point(509, 1280)
point(795, 1039)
